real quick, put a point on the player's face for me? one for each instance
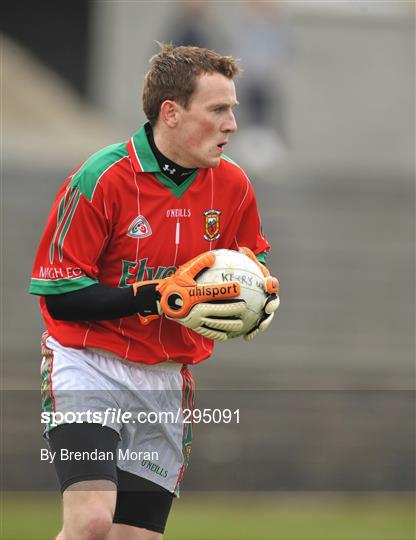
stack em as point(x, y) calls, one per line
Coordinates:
point(205, 126)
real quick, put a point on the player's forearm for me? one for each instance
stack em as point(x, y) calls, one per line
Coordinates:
point(100, 302)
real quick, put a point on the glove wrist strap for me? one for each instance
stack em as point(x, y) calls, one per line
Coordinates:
point(147, 300)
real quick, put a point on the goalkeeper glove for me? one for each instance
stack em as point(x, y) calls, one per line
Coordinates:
point(211, 310)
point(271, 287)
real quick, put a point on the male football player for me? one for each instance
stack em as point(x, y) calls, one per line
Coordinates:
point(128, 233)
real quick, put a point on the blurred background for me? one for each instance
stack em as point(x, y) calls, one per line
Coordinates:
point(325, 444)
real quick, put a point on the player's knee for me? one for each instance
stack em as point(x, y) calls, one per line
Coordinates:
point(88, 510)
point(95, 524)
point(90, 523)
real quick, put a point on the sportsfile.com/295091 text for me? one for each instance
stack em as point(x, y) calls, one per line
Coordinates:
point(112, 415)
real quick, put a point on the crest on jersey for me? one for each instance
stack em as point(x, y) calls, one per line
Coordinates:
point(212, 224)
point(139, 228)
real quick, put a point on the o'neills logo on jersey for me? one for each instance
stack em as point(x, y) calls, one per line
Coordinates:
point(212, 224)
point(139, 228)
point(178, 212)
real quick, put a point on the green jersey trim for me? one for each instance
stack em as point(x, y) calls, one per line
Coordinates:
point(149, 164)
point(227, 158)
point(262, 257)
point(65, 227)
point(173, 187)
point(59, 286)
point(144, 153)
point(46, 391)
point(66, 210)
point(87, 177)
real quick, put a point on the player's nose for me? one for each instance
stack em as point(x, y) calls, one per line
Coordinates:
point(230, 125)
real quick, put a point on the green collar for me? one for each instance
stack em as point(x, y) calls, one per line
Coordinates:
point(173, 187)
point(144, 161)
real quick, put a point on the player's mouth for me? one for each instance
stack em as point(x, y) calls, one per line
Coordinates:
point(221, 145)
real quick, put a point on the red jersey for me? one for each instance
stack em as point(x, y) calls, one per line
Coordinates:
point(117, 220)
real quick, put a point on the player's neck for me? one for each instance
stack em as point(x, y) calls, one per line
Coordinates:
point(168, 148)
point(169, 165)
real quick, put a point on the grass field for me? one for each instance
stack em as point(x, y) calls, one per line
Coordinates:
point(237, 516)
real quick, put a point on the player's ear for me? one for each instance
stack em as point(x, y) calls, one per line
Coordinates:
point(169, 113)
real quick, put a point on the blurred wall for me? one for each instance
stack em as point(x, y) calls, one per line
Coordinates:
point(350, 74)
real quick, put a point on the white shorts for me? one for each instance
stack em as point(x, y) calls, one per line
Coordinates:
point(143, 403)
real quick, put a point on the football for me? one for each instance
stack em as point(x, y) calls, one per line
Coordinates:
point(235, 266)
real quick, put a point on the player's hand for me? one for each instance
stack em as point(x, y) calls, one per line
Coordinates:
point(271, 287)
point(211, 309)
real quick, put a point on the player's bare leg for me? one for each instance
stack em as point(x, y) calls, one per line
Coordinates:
point(88, 510)
point(120, 531)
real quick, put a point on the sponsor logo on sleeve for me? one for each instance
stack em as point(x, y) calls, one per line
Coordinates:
point(53, 273)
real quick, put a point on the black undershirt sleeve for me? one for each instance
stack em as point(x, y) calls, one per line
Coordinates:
point(100, 302)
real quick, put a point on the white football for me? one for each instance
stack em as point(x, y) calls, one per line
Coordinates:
point(235, 266)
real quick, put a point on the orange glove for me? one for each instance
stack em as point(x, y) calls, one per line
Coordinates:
point(209, 309)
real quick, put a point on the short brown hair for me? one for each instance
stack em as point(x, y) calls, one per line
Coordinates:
point(173, 74)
